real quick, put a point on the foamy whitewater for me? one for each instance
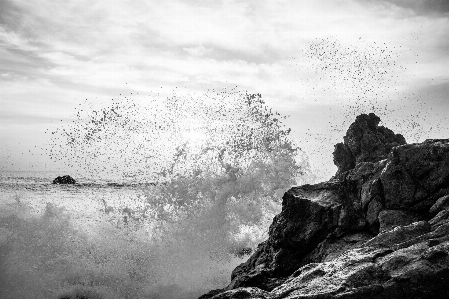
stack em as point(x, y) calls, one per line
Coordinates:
point(165, 204)
point(58, 238)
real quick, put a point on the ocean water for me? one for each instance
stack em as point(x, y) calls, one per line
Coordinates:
point(170, 197)
point(95, 237)
point(61, 239)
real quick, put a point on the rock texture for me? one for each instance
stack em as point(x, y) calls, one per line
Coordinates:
point(365, 141)
point(64, 180)
point(378, 229)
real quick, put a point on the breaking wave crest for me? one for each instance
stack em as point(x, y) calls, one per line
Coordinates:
point(209, 171)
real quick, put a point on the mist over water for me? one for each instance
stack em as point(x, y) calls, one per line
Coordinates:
point(198, 180)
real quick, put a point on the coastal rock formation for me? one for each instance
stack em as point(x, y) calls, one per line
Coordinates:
point(378, 229)
point(365, 141)
point(64, 180)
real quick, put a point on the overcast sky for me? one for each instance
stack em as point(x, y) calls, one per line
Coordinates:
point(56, 54)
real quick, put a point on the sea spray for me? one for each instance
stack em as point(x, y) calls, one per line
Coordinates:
point(211, 150)
point(348, 77)
point(47, 256)
point(207, 173)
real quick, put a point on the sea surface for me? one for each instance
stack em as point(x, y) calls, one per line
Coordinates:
point(86, 198)
point(213, 176)
point(61, 239)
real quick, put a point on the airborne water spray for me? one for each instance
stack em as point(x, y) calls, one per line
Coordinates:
point(209, 171)
point(347, 78)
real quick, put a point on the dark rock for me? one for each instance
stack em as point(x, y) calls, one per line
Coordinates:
point(309, 215)
point(332, 246)
point(400, 234)
point(379, 229)
point(441, 218)
point(64, 180)
point(243, 293)
point(389, 219)
point(441, 204)
point(365, 141)
point(419, 176)
point(212, 294)
point(353, 269)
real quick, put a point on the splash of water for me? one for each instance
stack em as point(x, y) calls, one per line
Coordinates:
point(211, 170)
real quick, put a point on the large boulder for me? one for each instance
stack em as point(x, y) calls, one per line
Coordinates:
point(416, 175)
point(378, 229)
point(365, 141)
point(64, 180)
point(310, 214)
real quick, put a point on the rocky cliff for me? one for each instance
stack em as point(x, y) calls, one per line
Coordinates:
point(378, 229)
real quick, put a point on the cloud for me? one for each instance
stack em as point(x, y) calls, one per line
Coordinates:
point(419, 7)
point(55, 52)
point(436, 94)
point(28, 119)
point(197, 51)
point(84, 45)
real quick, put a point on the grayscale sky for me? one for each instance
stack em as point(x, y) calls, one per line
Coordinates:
point(56, 54)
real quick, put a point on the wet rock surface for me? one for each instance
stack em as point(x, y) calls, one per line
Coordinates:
point(378, 229)
point(66, 179)
point(365, 141)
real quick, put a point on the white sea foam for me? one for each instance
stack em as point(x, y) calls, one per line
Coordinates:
point(218, 164)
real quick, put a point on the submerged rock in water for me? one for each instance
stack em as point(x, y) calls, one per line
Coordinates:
point(64, 180)
point(378, 229)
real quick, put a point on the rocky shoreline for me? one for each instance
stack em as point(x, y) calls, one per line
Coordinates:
point(378, 229)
